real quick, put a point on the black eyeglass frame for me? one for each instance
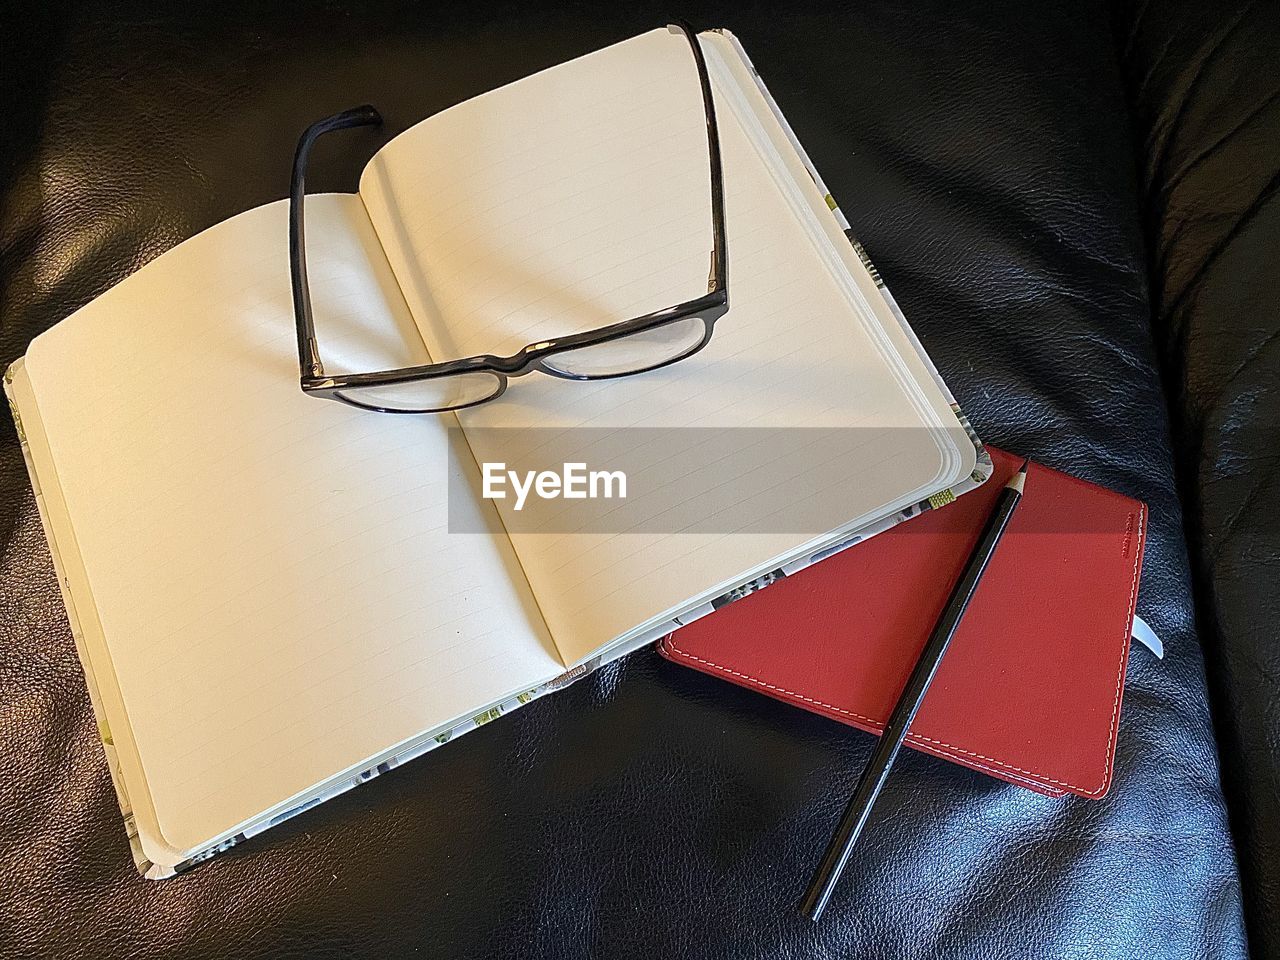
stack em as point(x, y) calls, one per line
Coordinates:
point(709, 308)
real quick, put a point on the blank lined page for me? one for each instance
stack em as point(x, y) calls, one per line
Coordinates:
point(579, 197)
point(279, 595)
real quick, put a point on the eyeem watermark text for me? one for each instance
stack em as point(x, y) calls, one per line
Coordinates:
point(573, 482)
point(708, 481)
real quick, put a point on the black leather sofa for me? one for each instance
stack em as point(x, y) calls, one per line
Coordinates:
point(1075, 204)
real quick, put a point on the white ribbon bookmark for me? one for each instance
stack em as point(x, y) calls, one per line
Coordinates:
point(1147, 637)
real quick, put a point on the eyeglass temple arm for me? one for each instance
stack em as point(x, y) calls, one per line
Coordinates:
point(719, 276)
point(308, 352)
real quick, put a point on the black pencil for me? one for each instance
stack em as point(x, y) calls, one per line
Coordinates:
point(877, 770)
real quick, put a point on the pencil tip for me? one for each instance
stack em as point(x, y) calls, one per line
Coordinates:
point(1019, 479)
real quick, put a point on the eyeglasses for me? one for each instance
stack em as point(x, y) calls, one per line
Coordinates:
point(644, 343)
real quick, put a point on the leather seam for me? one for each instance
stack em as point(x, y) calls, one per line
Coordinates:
point(669, 645)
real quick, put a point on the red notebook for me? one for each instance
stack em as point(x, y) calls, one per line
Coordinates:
point(1030, 688)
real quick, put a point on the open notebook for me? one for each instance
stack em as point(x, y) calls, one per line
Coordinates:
point(265, 590)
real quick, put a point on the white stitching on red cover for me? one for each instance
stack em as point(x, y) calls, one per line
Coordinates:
point(945, 747)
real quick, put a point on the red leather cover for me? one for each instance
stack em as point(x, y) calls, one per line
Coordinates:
point(1030, 688)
